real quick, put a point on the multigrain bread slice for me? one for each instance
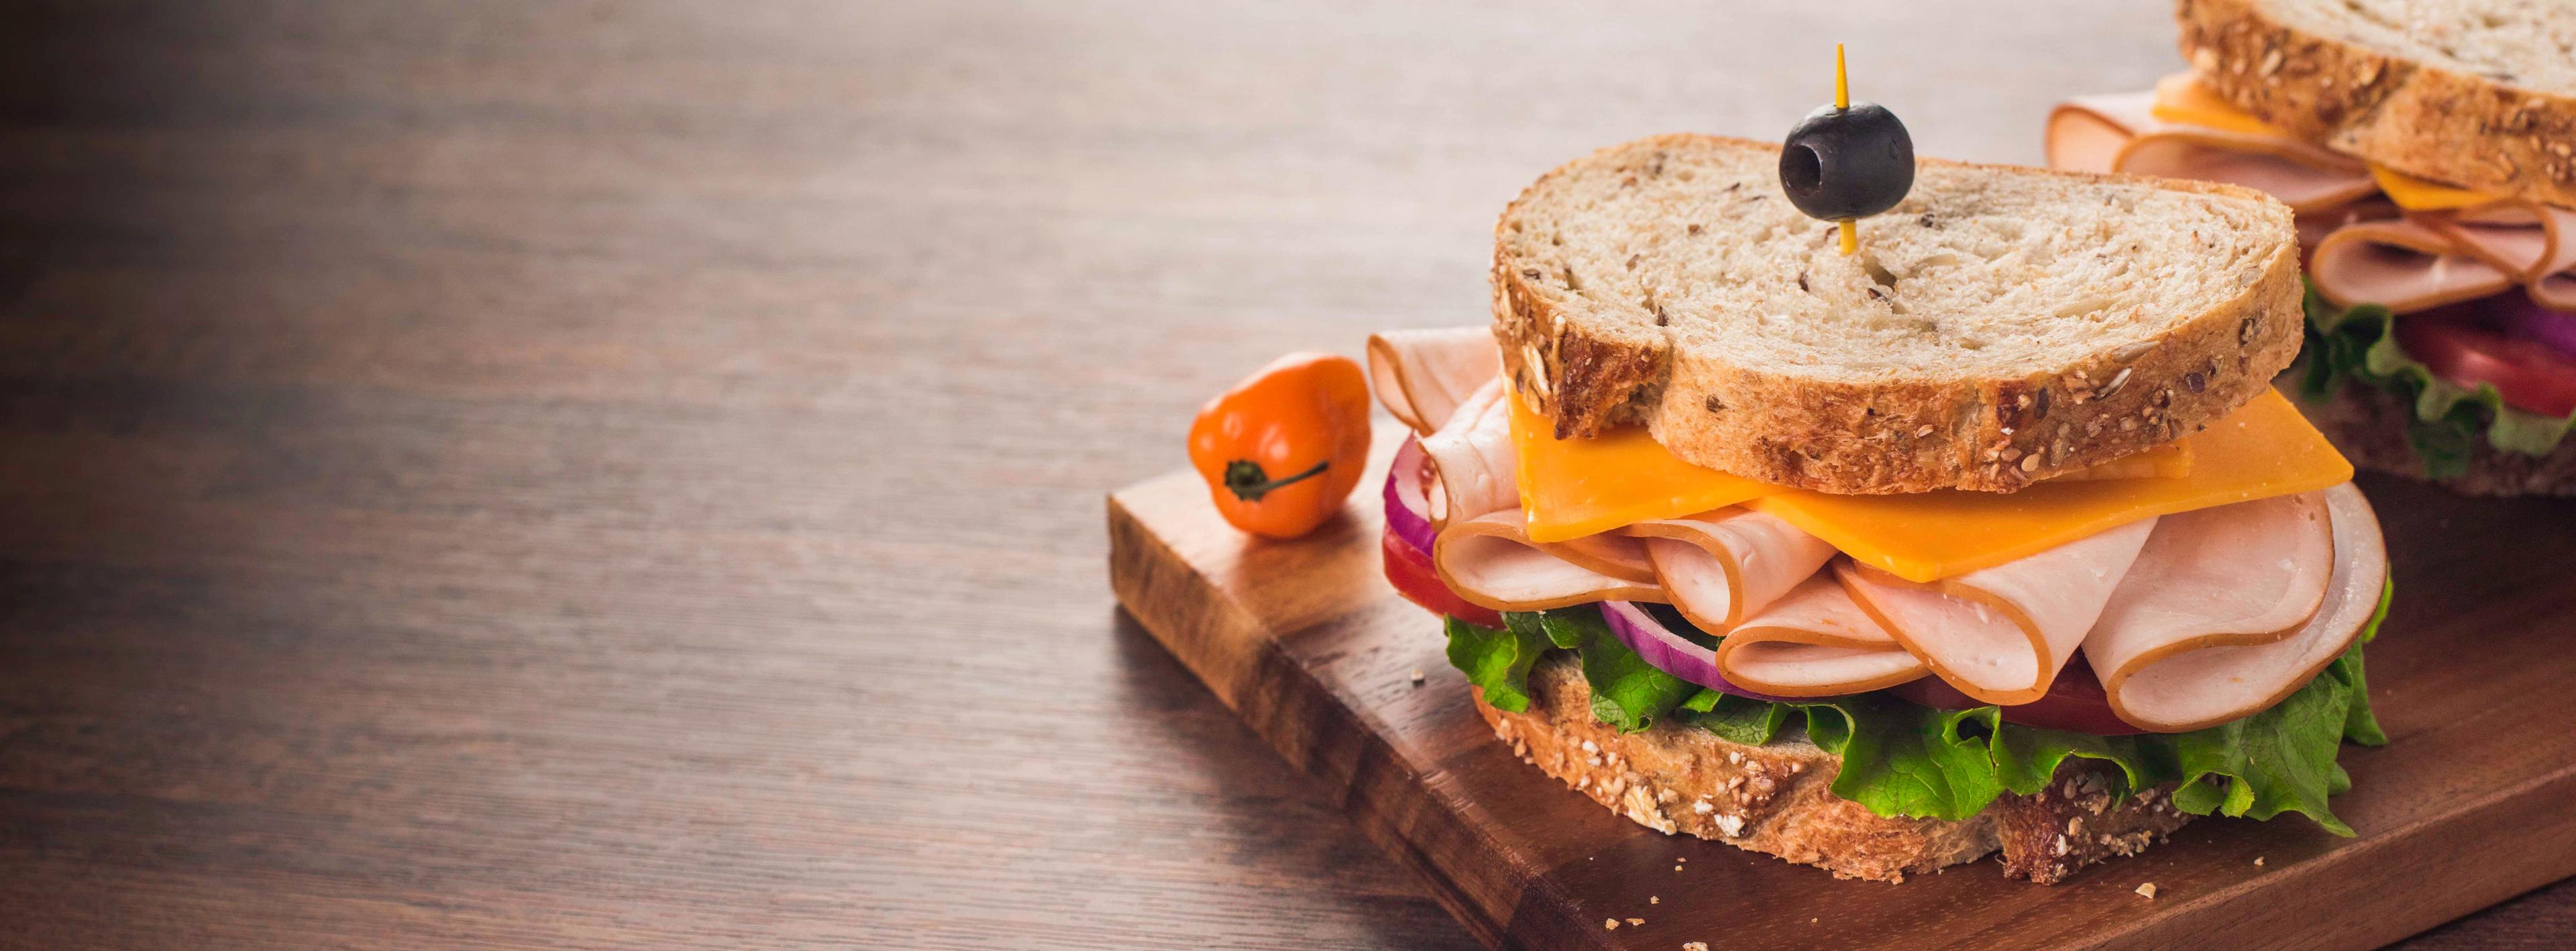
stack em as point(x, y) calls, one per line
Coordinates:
point(2369, 425)
point(2475, 93)
point(1999, 326)
point(1773, 798)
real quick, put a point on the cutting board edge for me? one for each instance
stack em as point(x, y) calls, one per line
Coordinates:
point(1147, 573)
point(1374, 807)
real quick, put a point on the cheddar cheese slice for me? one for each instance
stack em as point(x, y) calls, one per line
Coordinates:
point(2416, 194)
point(2180, 100)
point(1576, 487)
point(2264, 449)
point(2169, 461)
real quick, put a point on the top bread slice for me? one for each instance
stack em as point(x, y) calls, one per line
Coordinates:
point(2000, 326)
point(2475, 93)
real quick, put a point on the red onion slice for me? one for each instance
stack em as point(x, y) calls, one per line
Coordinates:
point(1408, 501)
point(1672, 653)
point(2524, 317)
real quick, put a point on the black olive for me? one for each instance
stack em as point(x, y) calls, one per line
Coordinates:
point(1840, 164)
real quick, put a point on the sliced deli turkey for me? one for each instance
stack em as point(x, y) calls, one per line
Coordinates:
point(2376, 236)
point(2192, 618)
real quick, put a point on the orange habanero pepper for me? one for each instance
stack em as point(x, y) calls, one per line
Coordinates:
point(1283, 448)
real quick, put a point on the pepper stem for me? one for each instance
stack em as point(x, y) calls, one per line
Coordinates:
point(1244, 478)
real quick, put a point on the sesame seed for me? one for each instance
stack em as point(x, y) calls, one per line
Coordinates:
point(1636, 921)
point(2148, 889)
point(1654, 899)
point(1417, 675)
point(2258, 861)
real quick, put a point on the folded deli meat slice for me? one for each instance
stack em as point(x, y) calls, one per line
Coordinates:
point(2228, 610)
point(1814, 642)
point(2431, 258)
point(2000, 634)
point(2402, 264)
point(1723, 565)
point(2120, 133)
point(2537, 240)
point(1473, 468)
point(2248, 573)
point(2313, 229)
point(1423, 376)
point(1490, 561)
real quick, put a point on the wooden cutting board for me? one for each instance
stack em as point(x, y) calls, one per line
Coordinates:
point(2472, 801)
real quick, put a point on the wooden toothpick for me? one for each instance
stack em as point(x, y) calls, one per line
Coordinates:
point(1842, 100)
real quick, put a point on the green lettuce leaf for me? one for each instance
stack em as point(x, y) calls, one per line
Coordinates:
point(1902, 759)
point(1497, 661)
point(2279, 760)
point(1627, 692)
point(1898, 758)
point(1738, 719)
point(2360, 344)
point(2026, 757)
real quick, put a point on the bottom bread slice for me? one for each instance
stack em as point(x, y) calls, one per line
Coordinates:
point(2369, 425)
point(1773, 798)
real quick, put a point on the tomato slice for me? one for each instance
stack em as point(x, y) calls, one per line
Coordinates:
point(2527, 373)
point(2074, 703)
point(1409, 570)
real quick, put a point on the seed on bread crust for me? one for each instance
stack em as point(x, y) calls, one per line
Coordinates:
point(1776, 798)
point(2449, 112)
point(1903, 405)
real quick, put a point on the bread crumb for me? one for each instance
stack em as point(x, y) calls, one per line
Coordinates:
point(1637, 921)
point(1695, 945)
point(1609, 924)
point(2148, 889)
point(1417, 676)
point(2258, 861)
point(1654, 899)
point(1677, 868)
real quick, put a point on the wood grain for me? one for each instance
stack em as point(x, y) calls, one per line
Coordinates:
point(530, 473)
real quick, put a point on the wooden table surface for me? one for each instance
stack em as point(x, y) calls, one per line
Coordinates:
point(629, 474)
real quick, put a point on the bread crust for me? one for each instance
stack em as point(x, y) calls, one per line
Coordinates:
point(1995, 435)
point(1775, 799)
point(2467, 130)
point(2369, 425)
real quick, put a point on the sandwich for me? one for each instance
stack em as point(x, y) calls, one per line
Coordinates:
point(2429, 151)
point(1989, 536)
